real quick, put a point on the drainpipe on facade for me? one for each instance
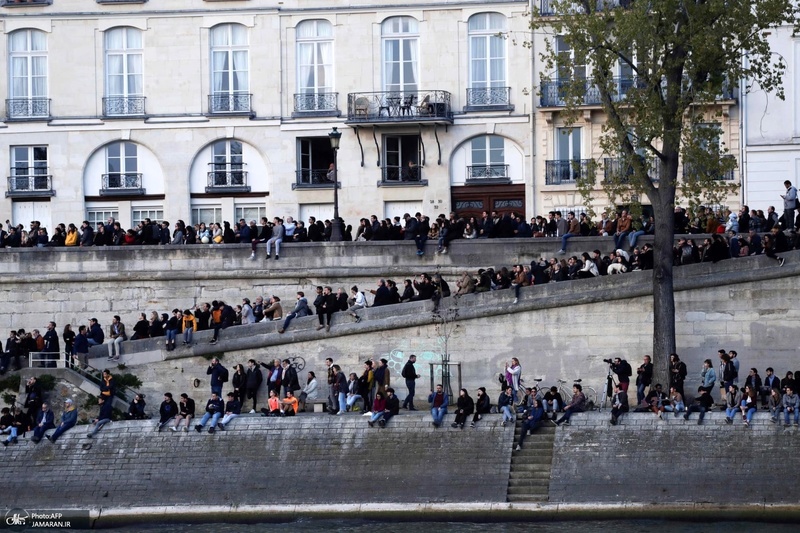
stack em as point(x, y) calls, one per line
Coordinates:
point(532, 114)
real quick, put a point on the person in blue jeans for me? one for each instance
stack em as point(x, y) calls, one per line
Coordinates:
point(576, 405)
point(439, 402)
point(505, 404)
point(749, 405)
point(733, 401)
point(68, 420)
point(214, 410)
point(106, 411)
point(791, 406)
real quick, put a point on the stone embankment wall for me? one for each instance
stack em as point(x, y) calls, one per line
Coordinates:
point(308, 459)
point(673, 461)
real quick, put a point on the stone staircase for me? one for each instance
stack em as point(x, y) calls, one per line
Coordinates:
point(529, 478)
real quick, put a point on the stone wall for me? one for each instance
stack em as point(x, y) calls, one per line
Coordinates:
point(313, 459)
point(648, 460)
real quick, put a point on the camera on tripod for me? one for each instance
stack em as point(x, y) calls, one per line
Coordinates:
point(609, 361)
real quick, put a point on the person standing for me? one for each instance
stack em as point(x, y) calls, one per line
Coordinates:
point(51, 346)
point(219, 375)
point(333, 400)
point(381, 376)
point(513, 373)
point(254, 380)
point(409, 373)
point(289, 378)
point(789, 205)
point(80, 348)
point(644, 378)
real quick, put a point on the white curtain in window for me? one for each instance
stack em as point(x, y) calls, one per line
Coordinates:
point(116, 79)
point(411, 75)
point(19, 77)
point(241, 82)
point(135, 74)
point(478, 62)
point(306, 59)
point(325, 71)
point(219, 82)
point(497, 65)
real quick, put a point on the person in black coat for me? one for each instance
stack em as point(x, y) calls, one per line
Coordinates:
point(289, 378)
point(254, 380)
point(464, 407)
point(382, 294)
point(482, 406)
point(326, 308)
point(239, 383)
point(392, 407)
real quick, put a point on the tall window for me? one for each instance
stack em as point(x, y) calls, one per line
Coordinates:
point(315, 65)
point(122, 167)
point(402, 156)
point(206, 213)
point(99, 215)
point(124, 78)
point(400, 52)
point(487, 52)
point(488, 158)
point(230, 77)
point(570, 65)
point(227, 165)
point(28, 74)
point(140, 213)
point(29, 168)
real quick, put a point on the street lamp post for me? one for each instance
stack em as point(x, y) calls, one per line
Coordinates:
point(336, 224)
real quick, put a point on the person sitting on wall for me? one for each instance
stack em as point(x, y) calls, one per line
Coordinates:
point(791, 407)
point(289, 404)
point(136, 408)
point(702, 403)
point(168, 411)
point(439, 402)
point(68, 420)
point(465, 406)
point(392, 407)
point(775, 404)
point(552, 401)
point(533, 417)
point(482, 406)
point(233, 408)
point(44, 421)
point(619, 404)
point(273, 405)
point(576, 405)
point(103, 418)
point(214, 410)
point(185, 412)
point(656, 399)
point(676, 404)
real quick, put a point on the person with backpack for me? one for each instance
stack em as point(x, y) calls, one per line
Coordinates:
point(623, 370)
point(219, 376)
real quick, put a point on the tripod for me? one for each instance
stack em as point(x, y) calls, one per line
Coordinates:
point(609, 390)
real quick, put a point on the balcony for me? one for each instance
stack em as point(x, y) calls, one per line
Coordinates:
point(419, 107)
point(316, 178)
point(24, 3)
point(489, 99)
point(615, 168)
point(121, 2)
point(396, 176)
point(566, 171)
point(123, 106)
point(727, 175)
point(230, 104)
point(122, 184)
point(27, 108)
point(492, 174)
point(547, 9)
point(316, 105)
point(21, 184)
point(227, 181)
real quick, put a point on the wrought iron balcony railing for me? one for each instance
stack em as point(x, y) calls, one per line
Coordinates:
point(20, 108)
point(123, 106)
point(394, 106)
point(391, 174)
point(615, 168)
point(229, 103)
point(489, 98)
point(23, 3)
point(21, 183)
point(728, 175)
point(319, 104)
point(121, 1)
point(562, 171)
point(116, 181)
point(313, 178)
point(484, 173)
point(227, 180)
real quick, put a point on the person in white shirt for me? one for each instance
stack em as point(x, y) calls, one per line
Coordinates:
point(360, 302)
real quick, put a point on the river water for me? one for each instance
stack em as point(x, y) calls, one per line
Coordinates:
point(370, 526)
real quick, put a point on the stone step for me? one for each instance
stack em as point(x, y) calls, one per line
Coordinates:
point(529, 483)
point(530, 474)
point(531, 467)
point(540, 459)
point(528, 491)
point(525, 498)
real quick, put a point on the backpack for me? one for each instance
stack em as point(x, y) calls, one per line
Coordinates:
point(223, 375)
point(626, 369)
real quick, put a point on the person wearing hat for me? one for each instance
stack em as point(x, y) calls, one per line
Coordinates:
point(68, 420)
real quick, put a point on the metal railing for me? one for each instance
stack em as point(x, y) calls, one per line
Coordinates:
point(22, 3)
point(118, 180)
point(47, 360)
point(28, 108)
point(487, 172)
point(565, 170)
point(229, 103)
point(121, 1)
point(615, 168)
point(398, 174)
point(29, 182)
point(227, 178)
point(123, 105)
point(310, 102)
point(399, 106)
point(315, 176)
point(489, 97)
point(727, 175)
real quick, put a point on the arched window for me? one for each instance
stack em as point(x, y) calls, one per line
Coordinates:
point(488, 158)
point(27, 71)
point(124, 72)
point(122, 167)
point(230, 76)
point(487, 65)
point(400, 54)
point(315, 66)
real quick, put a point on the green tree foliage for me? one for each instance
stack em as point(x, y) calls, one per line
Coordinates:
point(683, 60)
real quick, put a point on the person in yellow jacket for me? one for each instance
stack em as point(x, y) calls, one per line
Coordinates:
point(72, 236)
point(188, 326)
